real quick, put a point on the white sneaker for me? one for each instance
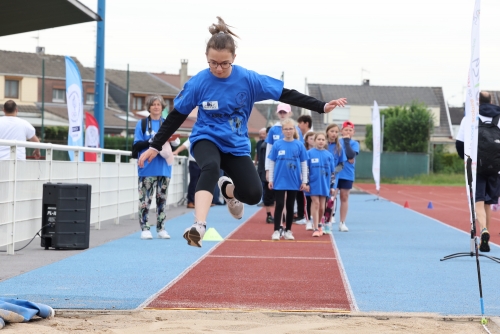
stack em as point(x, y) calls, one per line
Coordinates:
point(309, 226)
point(332, 220)
point(289, 235)
point(342, 227)
point(276, 235)
point(234, 206)
point(146, 234)
point(301, 221)
point(194, 234)
point(163, 234)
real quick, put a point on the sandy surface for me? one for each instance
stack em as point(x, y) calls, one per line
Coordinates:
point(153, 321)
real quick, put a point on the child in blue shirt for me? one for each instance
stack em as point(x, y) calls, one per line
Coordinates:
point(346, 175)
point(309, 144)
point(224, 94)
point(334, 147)
point(287, 175)
point(320, 164)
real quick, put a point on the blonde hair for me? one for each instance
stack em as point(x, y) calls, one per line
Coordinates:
point(289, 121)
point(222, 37)
point(338, 148)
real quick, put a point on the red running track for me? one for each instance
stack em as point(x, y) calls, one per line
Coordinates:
point(249, 271)
point(450, 204)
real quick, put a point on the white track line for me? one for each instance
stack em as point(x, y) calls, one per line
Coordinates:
point(188, 269)
point(343, 274)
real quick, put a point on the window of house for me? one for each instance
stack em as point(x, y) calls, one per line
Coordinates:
point(138, 103)
point(90, 98)
point(12, 89)
point(58, 95)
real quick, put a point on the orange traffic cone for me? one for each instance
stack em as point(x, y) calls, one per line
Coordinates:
point(407, 205)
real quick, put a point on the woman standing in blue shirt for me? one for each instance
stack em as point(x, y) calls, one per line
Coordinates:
point(155, 174)
point(224, 94)
point(287, 175)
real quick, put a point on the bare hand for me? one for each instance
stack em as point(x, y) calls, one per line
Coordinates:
point(36, 153)
point(351, 160)
point(335, 103)
point(303, 187)
point(149, 155)
point(271, 185)
point(332, 192)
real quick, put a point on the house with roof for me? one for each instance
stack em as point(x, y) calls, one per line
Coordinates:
point(38, 80)
point(360, 99)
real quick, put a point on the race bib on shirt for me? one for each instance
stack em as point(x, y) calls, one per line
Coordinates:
point(281, 152)
point(315, 160)
point(211, 105)
point(276, 137)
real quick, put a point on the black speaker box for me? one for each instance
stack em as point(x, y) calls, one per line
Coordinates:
point(66, 215)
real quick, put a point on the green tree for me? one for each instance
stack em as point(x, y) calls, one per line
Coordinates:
point(407, 128)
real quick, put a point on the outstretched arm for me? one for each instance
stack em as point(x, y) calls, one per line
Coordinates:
point(172, 123)
point(291, 96)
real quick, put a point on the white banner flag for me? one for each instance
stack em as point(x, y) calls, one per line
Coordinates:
point(75, 106)
point(376, 145)
point(472, 102)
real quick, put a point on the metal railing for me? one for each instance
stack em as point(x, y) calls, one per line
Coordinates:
point(114, 187)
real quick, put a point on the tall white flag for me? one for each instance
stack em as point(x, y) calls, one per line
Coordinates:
point(472, 102)
point(376, 145)
point(75, 106)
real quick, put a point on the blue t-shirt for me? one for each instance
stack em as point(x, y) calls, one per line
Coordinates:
point(347, 173)
point(321, 167)
point(287, 156)
point(159, 166)
point(224, 106)
point(338, 156)
point(276, 133)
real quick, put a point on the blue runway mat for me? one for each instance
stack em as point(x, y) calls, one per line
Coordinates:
point(392, 259)
point(120, 274)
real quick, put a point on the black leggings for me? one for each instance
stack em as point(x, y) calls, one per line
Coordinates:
point(247, 184)
point(280, 203)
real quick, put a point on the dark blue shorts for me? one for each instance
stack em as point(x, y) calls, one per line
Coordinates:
point(487, 189)
point(345, 184)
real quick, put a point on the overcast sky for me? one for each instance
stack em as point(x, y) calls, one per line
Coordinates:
point(390, 42)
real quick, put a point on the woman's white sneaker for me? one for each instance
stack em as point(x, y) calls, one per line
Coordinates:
point(194, 234)
point(163, 234)
point(234, 206)
point(276, 235)
point(146, 235)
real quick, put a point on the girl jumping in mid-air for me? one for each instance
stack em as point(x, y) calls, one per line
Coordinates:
point(320, 163)
point(224, 94)
point(287, 175)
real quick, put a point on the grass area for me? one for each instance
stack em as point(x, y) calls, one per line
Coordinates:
point(425, 179)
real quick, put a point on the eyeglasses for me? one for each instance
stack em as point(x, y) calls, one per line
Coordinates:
point(224, 65)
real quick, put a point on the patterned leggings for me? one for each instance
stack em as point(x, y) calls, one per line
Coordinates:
point(147, 185)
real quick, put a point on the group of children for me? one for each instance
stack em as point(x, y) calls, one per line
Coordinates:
point(322, 165)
